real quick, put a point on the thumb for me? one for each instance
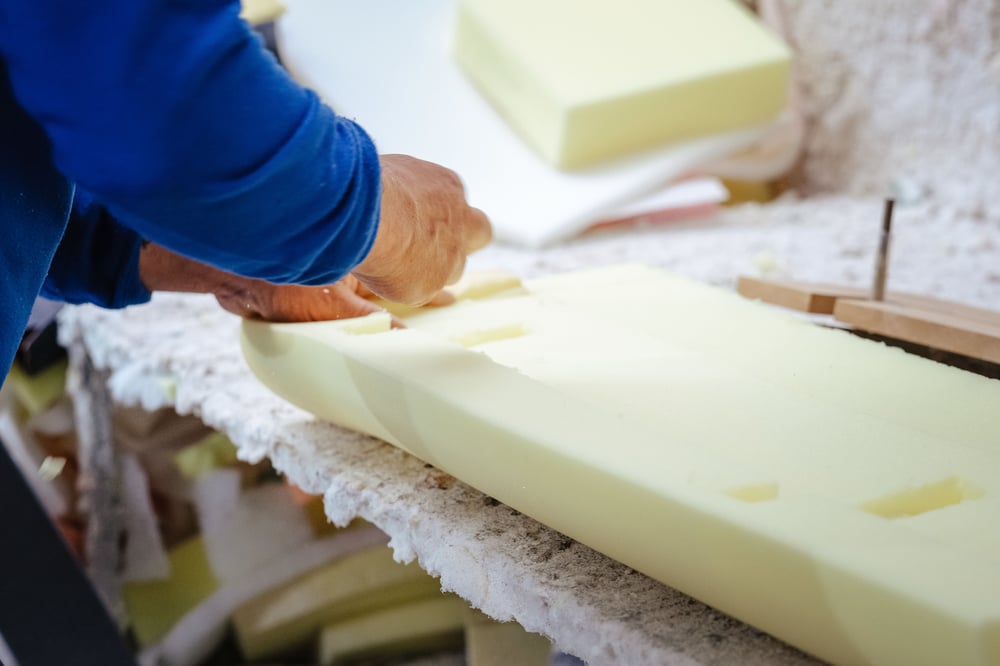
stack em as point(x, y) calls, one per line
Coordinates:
point(343, 301)
point(295, 303)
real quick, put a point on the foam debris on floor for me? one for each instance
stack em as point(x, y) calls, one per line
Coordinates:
point(257, 573)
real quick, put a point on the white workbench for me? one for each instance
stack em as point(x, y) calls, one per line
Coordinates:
point(183, 351)
point(900, 90)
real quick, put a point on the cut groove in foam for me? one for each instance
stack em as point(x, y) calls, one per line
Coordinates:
point(758, 492)
point(484, 284)
point(377, 322)
point(922, 499)
point(494, 334)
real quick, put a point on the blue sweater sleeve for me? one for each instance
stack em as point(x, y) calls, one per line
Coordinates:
point(175, 118)
point(97, 260)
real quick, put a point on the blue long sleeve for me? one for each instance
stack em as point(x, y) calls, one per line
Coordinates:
point(177, 121)
point(35, 200)
point(97, 260)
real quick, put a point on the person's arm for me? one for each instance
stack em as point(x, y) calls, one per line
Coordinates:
point(99, 261)
point(177, 120)
point(163, 270)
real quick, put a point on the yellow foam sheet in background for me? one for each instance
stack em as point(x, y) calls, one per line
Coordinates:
point(585, 81)
point(839, 494)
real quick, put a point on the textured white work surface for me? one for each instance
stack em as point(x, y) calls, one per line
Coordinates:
point(183, 350)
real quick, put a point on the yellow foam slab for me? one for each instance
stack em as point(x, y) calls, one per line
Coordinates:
point(588, 80)
point(211, 452)
point(492, 643)
point(39, 392)
point(837, 493)
point(287, 617)
point(154, 607)
point(257, 12)
point(418, 626)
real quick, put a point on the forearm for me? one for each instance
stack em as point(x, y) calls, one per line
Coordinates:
point(163, 270)
point(99, 261)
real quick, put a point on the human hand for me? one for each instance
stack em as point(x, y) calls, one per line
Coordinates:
point(427, 230)
point(163, 270)
point(295, 303)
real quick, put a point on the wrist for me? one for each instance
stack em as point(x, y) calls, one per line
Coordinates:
point(163, 270)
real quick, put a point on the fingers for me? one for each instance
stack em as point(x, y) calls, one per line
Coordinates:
point(347, 299)
point(358, 287)
point(478, 234)
point(343, 303)
point(457, 269)
point(427, 229)
point(480, 231)
point(476, 227)
point(294, 303)
point(441, 299)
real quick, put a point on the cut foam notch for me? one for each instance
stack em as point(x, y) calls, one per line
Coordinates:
point(494, 334)
point(483, 284)
point(923, 499)
point(377, 322)
point(758, 492)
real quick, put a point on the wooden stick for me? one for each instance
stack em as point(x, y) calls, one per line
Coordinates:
point(881, 257)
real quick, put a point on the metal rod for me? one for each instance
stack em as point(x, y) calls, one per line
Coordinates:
point(881, 257)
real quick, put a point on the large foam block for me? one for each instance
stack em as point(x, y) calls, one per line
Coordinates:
point(837, 493)
point(586, 81)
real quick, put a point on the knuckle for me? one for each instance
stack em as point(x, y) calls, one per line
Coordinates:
point(451, 180)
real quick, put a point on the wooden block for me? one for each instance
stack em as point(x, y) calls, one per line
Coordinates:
point(821, 298)
point(949, 331)
point(966, 313)
point(813, 297)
